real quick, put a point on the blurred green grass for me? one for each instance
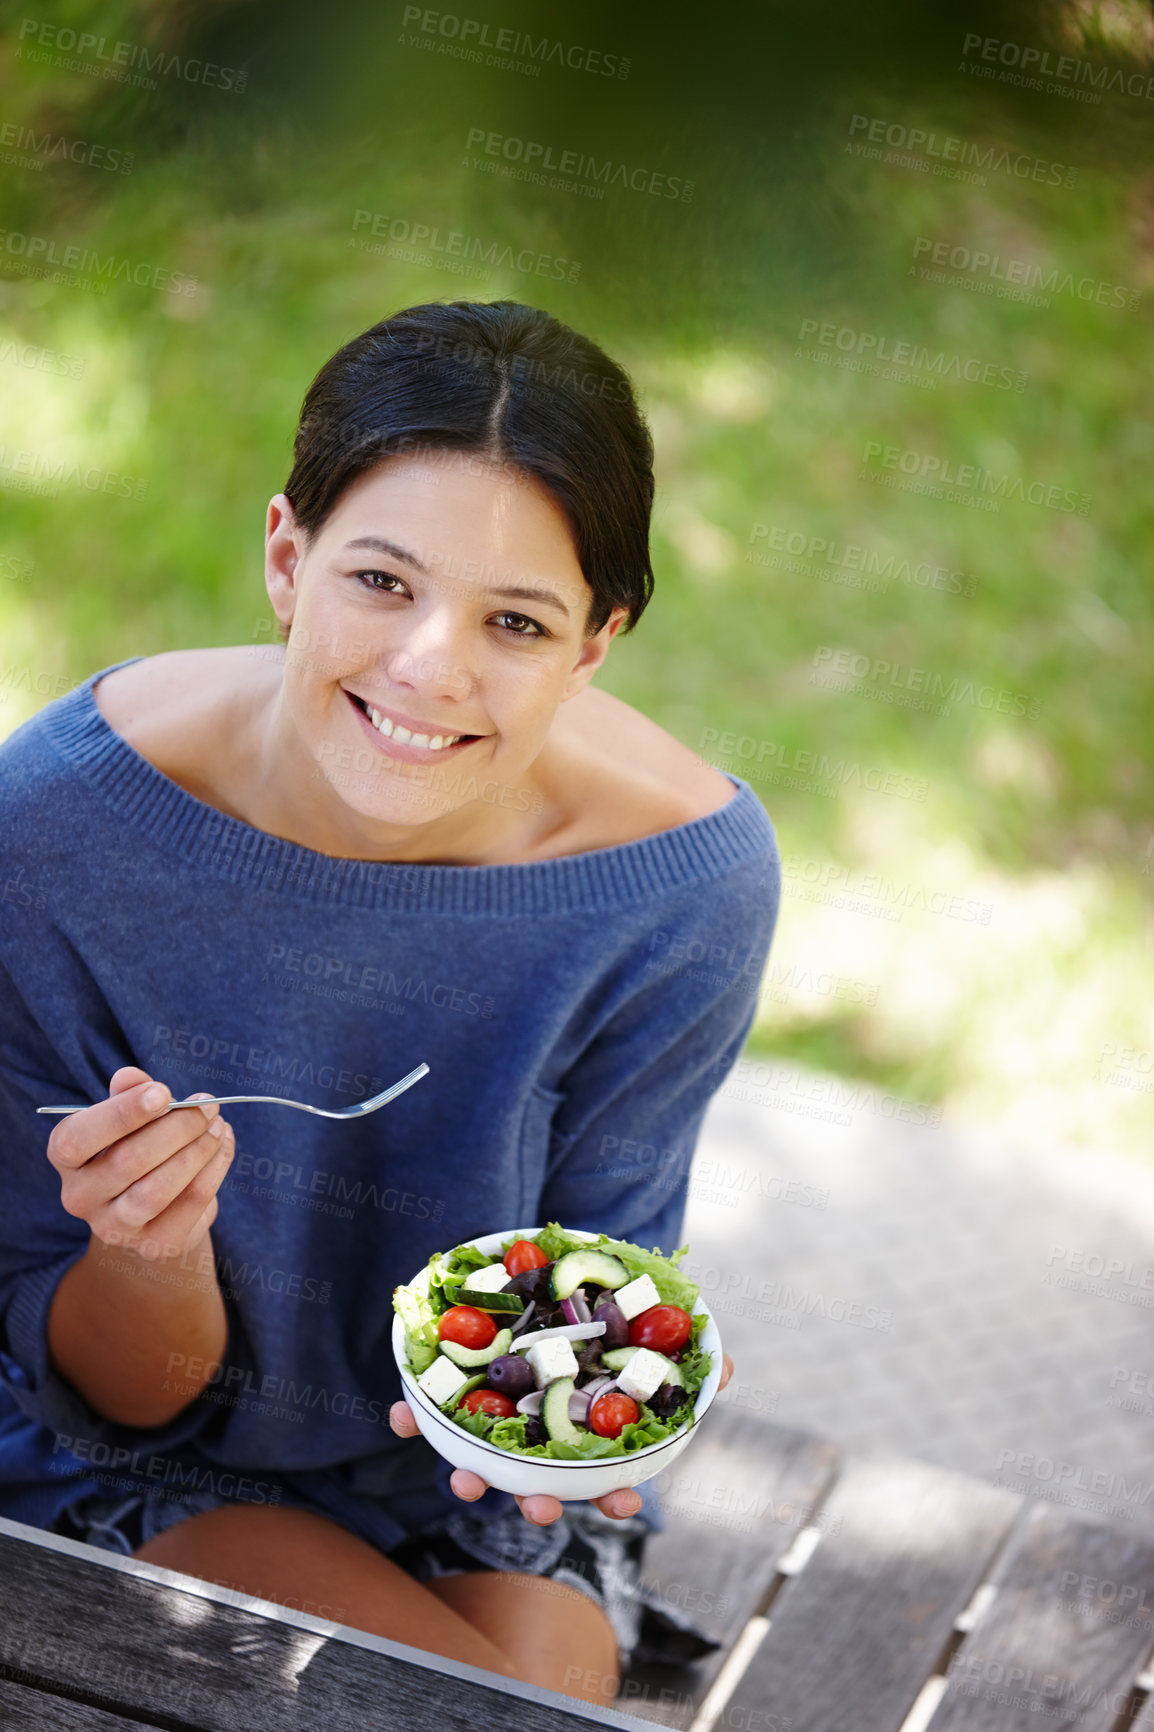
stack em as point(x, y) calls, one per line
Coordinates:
point(1044, 821)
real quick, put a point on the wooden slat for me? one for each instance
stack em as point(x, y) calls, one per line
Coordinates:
point(735, 1503)
point(1047, 1654)
point(24, 1710)
point(855, 1636)
point(135, 1638)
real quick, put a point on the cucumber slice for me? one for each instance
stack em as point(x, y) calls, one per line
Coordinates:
point(510, 1303)
point(468, 1357)
point(618, 1358)
point(577, 1266)
point(470, 1383)
point(555, 1412)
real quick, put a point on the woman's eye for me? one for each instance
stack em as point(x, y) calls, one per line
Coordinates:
point(379, 580)
point(520, 622)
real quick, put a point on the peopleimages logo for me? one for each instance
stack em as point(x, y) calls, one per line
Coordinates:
point(535, 159)
point(56, 147)
point(457, 245)
point(472, 34)
point(956, 158)
point(111, 62)
point(43, 251)
point(1019, 274)
point(941, 477)
point(1037, 63)
point(872, 346)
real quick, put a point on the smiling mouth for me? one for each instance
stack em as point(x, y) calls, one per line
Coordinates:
point(406, 736)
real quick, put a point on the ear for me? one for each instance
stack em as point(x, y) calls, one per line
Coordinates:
point(593, 653)
point(283, 551)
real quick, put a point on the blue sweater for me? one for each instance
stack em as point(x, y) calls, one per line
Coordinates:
point(577, 1015)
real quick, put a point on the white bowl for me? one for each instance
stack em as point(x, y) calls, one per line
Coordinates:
point(523, 1475)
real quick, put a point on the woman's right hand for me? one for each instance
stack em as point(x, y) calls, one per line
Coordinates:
point(144, 1179)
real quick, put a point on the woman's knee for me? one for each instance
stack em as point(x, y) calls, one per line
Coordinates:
point(287, 1555)
point(557, 1636)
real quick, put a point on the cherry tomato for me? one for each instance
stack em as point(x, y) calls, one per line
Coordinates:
point(611, 1413)
point(524, 1255)
point(664, 1328)
point(489, 1401)
point(467, 1326)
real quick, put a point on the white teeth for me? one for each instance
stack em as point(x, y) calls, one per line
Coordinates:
point(396, 731)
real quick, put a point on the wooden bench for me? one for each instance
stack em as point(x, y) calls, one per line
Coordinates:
point(866, 1594)
point(910, 1599)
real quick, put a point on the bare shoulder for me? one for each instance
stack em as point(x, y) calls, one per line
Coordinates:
point(162, 691)
point(639, 779)
point(184, 711)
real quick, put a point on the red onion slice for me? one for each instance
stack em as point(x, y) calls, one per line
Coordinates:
point(599, 1386)
point(524, 1317)
point(576, 1307)
point(578, 1404)
point(571, 1332)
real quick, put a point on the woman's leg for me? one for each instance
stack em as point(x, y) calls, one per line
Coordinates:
point(555, 1635)
point(292, 1557)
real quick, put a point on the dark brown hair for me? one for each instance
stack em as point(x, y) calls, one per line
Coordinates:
point(512, 384)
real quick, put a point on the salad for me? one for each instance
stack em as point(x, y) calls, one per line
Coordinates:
point(564, 1346)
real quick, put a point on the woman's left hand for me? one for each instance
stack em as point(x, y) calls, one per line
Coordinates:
point(540, 1509)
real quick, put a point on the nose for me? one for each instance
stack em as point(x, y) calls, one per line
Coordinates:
point(429, 660)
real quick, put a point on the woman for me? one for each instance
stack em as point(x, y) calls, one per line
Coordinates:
point(415, 832)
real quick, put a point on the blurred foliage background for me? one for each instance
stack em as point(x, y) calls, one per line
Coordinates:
point(980, 945)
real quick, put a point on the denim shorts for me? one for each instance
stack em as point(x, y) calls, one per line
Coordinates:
point(583, 1549)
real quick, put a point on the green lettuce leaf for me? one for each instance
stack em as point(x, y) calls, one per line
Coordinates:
point(480, 1424)
point(464, 1258)
point(420, 1319)
point(555, 1241)
point(695, 1362)
point(673, 1287)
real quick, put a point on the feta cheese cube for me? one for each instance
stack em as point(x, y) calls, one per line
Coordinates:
point(644, 1373)
point(441, 1379)
point(636, 1296)
point(550, 1360)
point(490, 1280)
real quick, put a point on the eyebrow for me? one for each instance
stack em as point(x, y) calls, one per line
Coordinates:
point(382, 546)
point(543, 597)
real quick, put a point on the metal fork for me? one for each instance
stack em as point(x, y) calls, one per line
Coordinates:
point(357, 1112)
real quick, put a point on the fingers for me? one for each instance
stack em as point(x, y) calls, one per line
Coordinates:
point(726, 1370)
point(133, 1181)
point(401, 1419)
point(619, 1504)
point(147, 1197)
point(540, 1509)
point(126, 1077)
point(183, 1222)
point(81, 1135)
point(467, 1486)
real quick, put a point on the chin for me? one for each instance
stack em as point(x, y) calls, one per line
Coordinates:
point(387, 798)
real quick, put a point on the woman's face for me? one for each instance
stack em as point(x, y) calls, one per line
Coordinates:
point(437, 621)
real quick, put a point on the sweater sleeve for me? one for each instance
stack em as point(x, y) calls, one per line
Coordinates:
point(629, 1110)
point(39, 1242)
